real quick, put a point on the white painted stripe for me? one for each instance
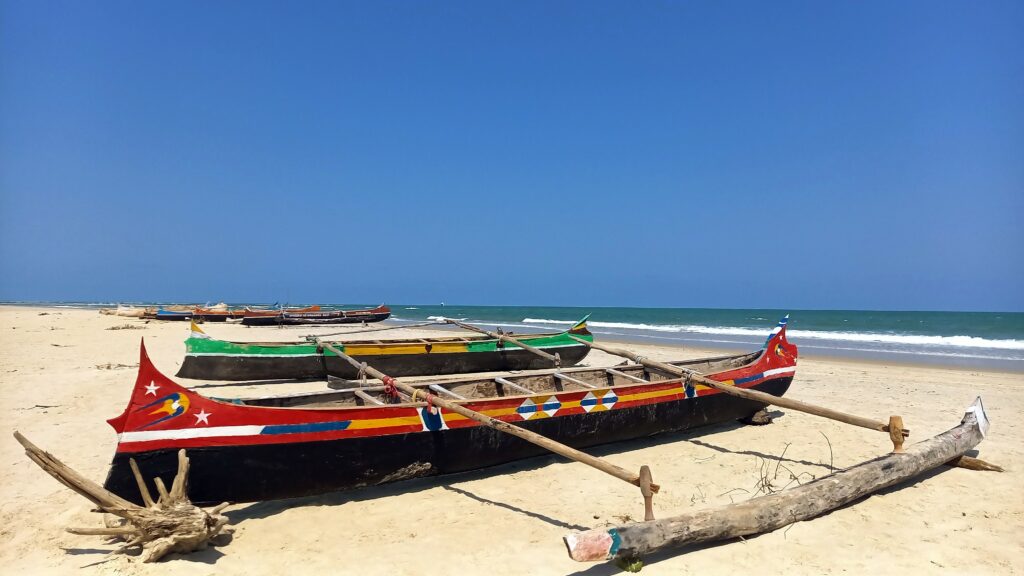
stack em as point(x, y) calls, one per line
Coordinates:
point(213, 431)
point(775, 371)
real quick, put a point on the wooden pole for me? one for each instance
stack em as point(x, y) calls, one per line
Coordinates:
point(499, 425)
point(754, 395)
point(774, 511)
point(896, 434)
point(503, 338)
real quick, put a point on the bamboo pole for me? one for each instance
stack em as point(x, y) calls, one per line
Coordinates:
point(501, 426)
point(748, 394)
point(503, 338)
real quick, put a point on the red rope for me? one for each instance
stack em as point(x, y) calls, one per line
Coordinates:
point(389, 386)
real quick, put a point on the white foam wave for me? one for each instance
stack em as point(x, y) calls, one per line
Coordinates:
point(904, 339)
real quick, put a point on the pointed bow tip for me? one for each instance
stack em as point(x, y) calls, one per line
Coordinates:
point(977, 411)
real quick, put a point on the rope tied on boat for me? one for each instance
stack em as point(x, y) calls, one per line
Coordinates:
point(426, 396)
point(389, 386)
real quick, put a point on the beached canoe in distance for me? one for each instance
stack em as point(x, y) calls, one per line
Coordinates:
point(252, 312)
point(285, 318)
point(210, 359)
point(164, 314)
point(217, 314)
point(287, 446)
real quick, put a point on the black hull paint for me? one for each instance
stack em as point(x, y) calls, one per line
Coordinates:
point(237, 368)
point(268, 472)
point(299, 319)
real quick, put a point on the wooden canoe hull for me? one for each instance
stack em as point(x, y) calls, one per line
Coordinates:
point(237, 368)
point(309, 443)
point(321, 317)
point(266, 472)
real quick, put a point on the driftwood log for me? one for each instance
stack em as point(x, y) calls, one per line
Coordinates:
point(774, 511)
point(170, 524)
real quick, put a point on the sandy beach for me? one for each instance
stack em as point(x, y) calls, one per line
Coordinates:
point(65, 371)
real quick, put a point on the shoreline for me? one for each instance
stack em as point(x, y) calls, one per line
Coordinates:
point(704, 349)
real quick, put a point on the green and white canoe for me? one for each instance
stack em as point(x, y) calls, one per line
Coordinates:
point(209, 359)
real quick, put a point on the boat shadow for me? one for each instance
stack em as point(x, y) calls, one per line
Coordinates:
point(506, 506)
point(209, 555)
point(450, 482)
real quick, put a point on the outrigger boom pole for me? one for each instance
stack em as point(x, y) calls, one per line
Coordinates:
point(503, 338)
point(755, 395)
point(643, 480)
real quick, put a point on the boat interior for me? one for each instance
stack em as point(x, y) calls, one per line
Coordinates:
point(351, 394)
point(404, 341)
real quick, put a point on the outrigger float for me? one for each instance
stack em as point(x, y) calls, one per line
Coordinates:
point(207, 358)
point(286, 446)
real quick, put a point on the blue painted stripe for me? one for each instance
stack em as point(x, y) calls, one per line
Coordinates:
point(616, 543)
point(748, 379)
point(527, 409)
point(305, 428)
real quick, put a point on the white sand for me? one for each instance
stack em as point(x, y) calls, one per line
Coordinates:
point(510, 520)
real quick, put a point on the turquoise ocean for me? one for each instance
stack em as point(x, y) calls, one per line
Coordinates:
point(965, 339)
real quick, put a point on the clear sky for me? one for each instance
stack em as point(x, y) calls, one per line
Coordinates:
point(723, 154)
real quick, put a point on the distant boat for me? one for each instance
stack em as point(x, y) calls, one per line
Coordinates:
point(286, 318)
point(130, 311)
point(214, 314)
point(163, 314)
point(254, 312)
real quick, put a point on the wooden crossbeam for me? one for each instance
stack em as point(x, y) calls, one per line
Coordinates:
point(442, 390)
point(367, 397)
point(561, 376)
point(513, 385)
point(636, 379)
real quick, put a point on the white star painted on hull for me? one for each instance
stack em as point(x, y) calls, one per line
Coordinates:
point(202, 417)
point(151, 389)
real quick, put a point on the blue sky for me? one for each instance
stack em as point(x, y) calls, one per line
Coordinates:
point(722, 154)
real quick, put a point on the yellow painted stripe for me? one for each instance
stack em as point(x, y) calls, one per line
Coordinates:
point(384, 422)
point(372, 349)
point(511, 410)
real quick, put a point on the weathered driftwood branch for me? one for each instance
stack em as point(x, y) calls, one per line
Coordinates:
point(172, 524)
point(771, 512)
point(746, 393)
point(974, 464)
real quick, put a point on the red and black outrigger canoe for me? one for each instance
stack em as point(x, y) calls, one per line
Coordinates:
point(287, 446)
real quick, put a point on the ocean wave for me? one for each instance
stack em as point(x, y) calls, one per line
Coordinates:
point(958, 341)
